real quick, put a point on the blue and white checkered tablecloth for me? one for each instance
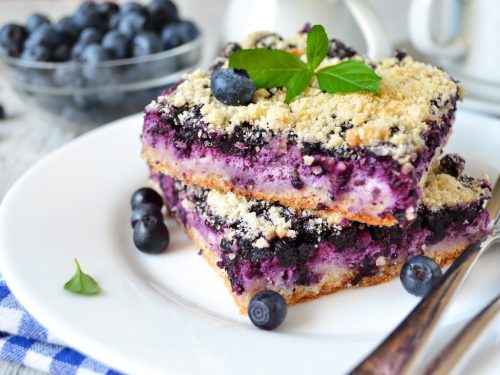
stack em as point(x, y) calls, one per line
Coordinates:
point(23, 340)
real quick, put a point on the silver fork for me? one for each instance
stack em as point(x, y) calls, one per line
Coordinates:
point(397, 353)
point(447, 358)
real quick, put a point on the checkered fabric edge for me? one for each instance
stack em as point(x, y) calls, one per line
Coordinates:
point(24, 341)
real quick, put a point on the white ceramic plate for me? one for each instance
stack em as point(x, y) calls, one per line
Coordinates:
point(171, 313)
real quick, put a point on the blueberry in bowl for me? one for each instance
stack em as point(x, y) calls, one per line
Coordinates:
point(101, 63)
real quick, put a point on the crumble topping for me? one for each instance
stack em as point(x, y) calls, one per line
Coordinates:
point(444, 190)
point(308, 160)
point(234, 208)
point(261, 243)
point(412, 95)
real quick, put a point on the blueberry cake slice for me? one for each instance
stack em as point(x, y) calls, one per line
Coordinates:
point(303, 254)
point(363, 155)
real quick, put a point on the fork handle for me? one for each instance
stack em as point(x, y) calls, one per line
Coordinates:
point(399, 349)
point(446, 360)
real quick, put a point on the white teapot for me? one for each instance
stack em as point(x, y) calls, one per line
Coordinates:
point(466, 41)
point(351, 21)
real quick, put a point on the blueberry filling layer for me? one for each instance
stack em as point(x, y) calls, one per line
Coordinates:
point(261, 244)
point(367, 180)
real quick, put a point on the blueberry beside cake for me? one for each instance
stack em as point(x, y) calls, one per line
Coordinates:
point(364, 155)
point(303, 254)
point(315, 171)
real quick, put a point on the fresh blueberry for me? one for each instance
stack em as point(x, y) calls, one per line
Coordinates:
point(114, 21)
point(146, 43)
point(61, 53)
point(188, 29)
point(77, 51)
point(267, 309)
point(36, 53)
point(171, 36)
point(133, 6)
point(131, 24)
point(44, 35)
point(36, 20)
point(146, 195)
point(108, 8)
point(144, 210)
point(64, 37)
point(232, 86)
point(12, 38)
point(420, 274)
point(151, 235)
point(69, 75)
point(2, 112)
point(94, 53)
point(88, 16)
point(90, 35)
point(65, 25)
point(178, 33)
point(162, 12)
point(117, 43)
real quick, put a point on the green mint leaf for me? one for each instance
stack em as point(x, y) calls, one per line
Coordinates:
point(81, 283)
point(348, 77)
point(317, 46)
point(267, 68)
point(297, 84)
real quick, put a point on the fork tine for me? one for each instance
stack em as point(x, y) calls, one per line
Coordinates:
point(444, 362)
point(493, 205)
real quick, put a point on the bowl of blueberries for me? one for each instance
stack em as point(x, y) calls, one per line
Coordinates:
point(101, 63)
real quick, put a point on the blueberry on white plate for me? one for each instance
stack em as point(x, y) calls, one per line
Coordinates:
point(151, 236)
point(146, 195)
point(267, 309)
point(420, 274)
point(143, 210)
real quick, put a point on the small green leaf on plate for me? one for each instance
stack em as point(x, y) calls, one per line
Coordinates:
point(81, 283)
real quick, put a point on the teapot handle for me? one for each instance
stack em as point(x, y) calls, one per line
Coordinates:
point(376, 40)
point(420, 18)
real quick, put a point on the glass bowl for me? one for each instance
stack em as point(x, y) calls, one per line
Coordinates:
point(87, 95)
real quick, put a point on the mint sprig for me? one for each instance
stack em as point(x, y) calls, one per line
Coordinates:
point(81, 283)
point(276, 68)
point(348, 76)
point(267, 68)
point(317, 46)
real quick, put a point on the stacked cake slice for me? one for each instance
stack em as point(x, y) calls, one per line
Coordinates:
point(324, 192)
